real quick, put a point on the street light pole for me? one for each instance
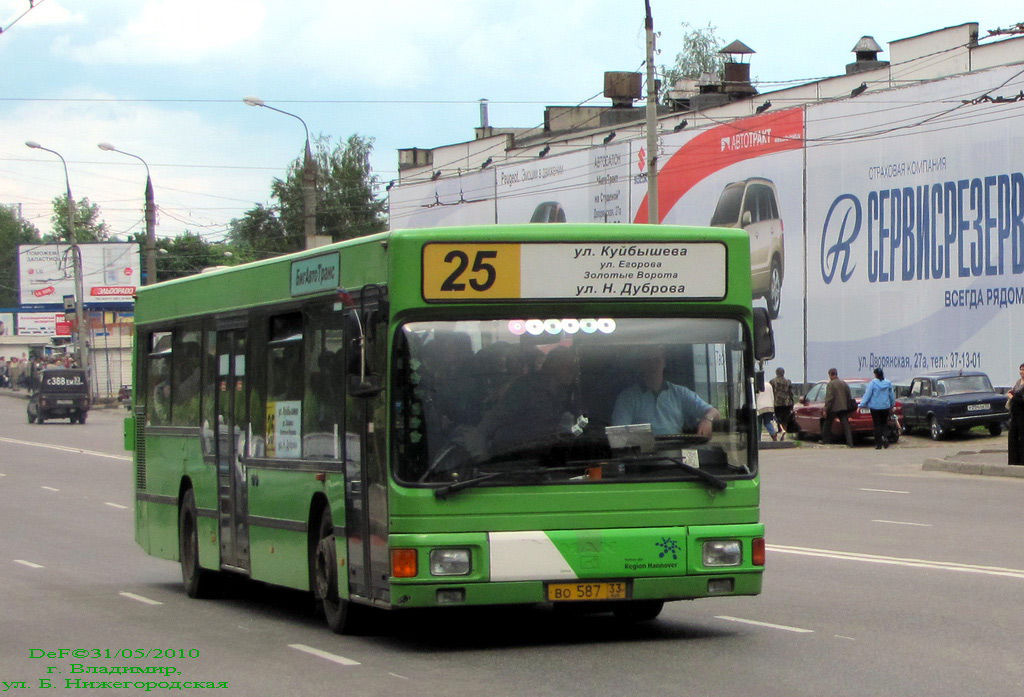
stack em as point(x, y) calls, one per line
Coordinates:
point(652, 123)
point(82, 342)
point(150, 215)
point(308, 179)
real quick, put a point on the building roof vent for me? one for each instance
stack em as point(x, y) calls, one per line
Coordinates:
point(623, 88)
point(866, 50)
point(737, 70)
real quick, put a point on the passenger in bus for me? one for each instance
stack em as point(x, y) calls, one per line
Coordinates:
point(537, 406)
point(669, 408)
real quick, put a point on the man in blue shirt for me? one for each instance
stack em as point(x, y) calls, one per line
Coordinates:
point(669, 408)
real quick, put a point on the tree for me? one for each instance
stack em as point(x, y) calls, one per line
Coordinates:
point(187, 254)
point(699, 55)
point(13, 232)
point(88, 226)
point(346, 206)
point(260, 234)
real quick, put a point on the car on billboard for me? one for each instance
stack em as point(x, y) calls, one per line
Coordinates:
point(809, 414)
point(949, 401)
point(753, 205)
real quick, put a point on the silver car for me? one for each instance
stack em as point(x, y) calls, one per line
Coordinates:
point(752, 204)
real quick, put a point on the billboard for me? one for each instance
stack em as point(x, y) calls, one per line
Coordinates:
point(110, 273)
point(915, 230)
point(887, 230)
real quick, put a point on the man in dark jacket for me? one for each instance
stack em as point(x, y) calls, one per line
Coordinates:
point(837, 406)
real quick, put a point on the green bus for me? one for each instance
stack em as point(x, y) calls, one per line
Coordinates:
point(442, 418)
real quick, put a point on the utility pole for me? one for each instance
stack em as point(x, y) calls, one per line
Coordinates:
point(652, 123)
point(82, 329)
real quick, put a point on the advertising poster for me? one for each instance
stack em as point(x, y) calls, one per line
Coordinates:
point(110, 273)
point(7, 326)
point(744, 174)
point(915, 231)
point(43, 324)
point(464, 200)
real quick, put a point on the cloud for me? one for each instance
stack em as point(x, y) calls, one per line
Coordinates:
point(169, 32)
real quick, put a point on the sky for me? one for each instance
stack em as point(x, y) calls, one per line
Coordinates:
point(164, 80)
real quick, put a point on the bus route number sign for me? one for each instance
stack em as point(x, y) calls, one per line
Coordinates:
point(470, 271)
point(459, 272)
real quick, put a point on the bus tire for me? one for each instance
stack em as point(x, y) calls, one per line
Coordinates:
point(198, 582)
point(341, 615)
point(638, 610)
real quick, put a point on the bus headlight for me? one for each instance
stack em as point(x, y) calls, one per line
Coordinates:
point(450, 562)
point(722, 553)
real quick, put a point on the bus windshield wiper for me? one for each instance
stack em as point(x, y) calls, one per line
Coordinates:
point(448, 489)
point(707, 477)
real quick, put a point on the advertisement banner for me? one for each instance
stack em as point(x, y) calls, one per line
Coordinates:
point(110, 273)
point(915, 231)
point(43, 324)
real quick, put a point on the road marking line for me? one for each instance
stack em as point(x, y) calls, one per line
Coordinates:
point(899, 561)
point(49, 488)
point(886, 491)
point(140, 598)
point(402, 677)
point(783, 627)
point(900, 522)
point(65, 449)
point(114, 505)
point(323, 654)
point(28, 564)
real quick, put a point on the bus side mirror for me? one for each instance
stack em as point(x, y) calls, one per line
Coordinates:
point(764, 337)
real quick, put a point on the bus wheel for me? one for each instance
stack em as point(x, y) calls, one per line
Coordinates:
point(341, 614)
point(198, 582)
point(638, 610)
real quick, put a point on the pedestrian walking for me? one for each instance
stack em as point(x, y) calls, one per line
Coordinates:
point(880, 399)
point(784, 400)
point(838, 403)
point(1015, 439)
point(766, 411)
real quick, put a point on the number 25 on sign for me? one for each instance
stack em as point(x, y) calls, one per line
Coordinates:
point(471, 271)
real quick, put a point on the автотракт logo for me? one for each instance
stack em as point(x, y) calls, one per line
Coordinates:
point(668, 547)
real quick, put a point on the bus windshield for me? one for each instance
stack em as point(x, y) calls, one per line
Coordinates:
point(533, 401)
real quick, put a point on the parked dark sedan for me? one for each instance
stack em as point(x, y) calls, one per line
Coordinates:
point(951, 401)
point(810, 413)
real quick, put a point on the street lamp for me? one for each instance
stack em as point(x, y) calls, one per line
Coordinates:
point(76, 262)
point(308, 179)
point(150, 215)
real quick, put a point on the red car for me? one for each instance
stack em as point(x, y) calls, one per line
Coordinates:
point(810, 414)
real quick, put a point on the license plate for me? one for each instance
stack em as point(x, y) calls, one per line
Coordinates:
point(65, 401)
point(978, 407)
point(864, 411)
point(603, 590)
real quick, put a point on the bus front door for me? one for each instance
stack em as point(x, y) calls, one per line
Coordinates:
point(230, 428)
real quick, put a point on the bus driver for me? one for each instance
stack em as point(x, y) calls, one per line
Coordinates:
point(669, 408)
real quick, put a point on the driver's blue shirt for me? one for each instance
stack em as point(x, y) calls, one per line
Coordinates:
point(673, 409)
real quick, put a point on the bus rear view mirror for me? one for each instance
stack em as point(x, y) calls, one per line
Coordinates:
point(764, 337)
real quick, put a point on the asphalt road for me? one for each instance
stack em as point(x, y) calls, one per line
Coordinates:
point(882, 579)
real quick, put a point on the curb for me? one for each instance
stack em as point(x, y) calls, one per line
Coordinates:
point(935, 464)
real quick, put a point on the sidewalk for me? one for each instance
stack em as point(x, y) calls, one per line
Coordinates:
point(986, 462)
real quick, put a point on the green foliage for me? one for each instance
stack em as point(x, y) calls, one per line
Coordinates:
point(88, 226)
point(13, 232)
point(699, 55)
point(187, 254)
point(345, 203)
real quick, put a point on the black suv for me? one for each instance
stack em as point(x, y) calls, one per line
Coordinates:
point(59, 393)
